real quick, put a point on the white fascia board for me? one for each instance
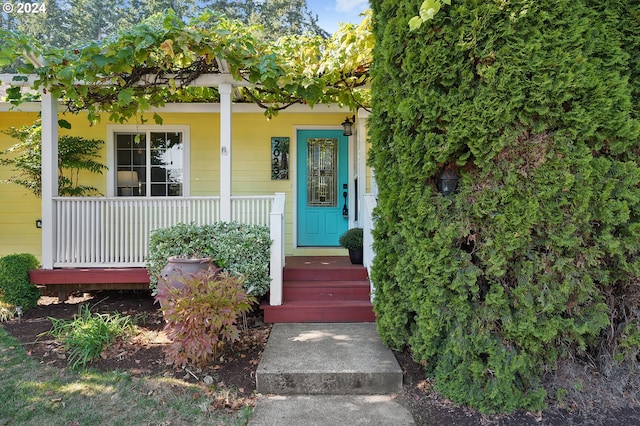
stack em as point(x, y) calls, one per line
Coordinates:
point(363, 114)
point(205, 80)
point(248, 108)
point(24, 107)
point(20, 80)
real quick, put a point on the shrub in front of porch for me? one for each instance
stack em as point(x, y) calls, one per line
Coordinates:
point(15, 287)
point(202, 315)
point(237, 248)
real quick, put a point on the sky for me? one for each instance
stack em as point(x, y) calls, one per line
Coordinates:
point(332, 12)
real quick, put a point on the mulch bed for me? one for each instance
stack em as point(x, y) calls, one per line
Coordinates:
point(143, 355)
point(235, 367)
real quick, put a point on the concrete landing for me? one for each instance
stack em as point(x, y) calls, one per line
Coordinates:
point(328, 374)
point(323, 410)
point(327, 359)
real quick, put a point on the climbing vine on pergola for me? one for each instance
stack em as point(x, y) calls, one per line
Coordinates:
point(164, 60)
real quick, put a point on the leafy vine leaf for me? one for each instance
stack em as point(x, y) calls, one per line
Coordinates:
point(428, 11)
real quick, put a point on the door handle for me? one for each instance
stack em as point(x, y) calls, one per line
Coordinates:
point(345, 209)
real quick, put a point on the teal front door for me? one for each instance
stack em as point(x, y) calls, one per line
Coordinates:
point(322, 187)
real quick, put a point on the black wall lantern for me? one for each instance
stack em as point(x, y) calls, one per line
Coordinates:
point(448, 181)
point(347, 126)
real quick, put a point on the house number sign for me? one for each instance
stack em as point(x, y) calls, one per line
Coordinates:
point(279, 158)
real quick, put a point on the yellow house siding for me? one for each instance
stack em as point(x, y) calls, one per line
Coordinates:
point(80, 126)
point(18, 217)
point(19, 209)
point(251, 165)
point(204, 129)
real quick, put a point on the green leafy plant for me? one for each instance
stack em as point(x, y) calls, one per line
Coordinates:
point(75, 154)
point(237, 248)
point(201, 316)
point(296, 69)
point(88, 334)
point(352, 239)
point(534, 259)
point(15, 287)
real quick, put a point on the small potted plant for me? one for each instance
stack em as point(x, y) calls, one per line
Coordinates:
point(352, 241)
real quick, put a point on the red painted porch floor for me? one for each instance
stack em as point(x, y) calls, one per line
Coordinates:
point(320, 262)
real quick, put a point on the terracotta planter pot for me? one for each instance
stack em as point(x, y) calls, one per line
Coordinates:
point(179, 268)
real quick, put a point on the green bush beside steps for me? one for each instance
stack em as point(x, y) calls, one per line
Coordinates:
point(535, 258)
point(235, 247)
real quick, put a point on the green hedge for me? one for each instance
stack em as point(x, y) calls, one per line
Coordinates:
point(240, 249)
point(535, 105)
point(15, 287)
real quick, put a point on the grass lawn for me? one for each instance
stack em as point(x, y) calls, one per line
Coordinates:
point(35, 394)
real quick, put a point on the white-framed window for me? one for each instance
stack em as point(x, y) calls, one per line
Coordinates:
point(148, 161)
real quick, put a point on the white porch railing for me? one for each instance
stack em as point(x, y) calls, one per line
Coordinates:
point(277, 249)
point(370, 202)
point(252, 209)
point(114, 231)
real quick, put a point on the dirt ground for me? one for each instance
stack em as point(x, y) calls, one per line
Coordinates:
point(236, 366)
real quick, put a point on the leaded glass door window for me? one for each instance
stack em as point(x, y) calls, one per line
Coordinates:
point(322, 172)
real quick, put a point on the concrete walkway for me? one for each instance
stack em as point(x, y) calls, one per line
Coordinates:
point(328, 374)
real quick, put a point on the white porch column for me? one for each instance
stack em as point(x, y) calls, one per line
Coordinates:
point(361, 144)
point(49, 177)
point(276, 263)
point(225, 151)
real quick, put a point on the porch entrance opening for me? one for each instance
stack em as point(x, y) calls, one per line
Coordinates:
point(322, 187)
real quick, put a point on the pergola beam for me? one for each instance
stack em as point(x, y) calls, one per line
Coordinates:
point(204, 80)
point(20, 80)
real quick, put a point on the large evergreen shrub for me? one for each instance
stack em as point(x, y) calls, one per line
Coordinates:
point(531, 104)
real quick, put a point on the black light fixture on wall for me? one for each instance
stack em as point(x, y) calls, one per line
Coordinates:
point(347, 126)
point(448, 181)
